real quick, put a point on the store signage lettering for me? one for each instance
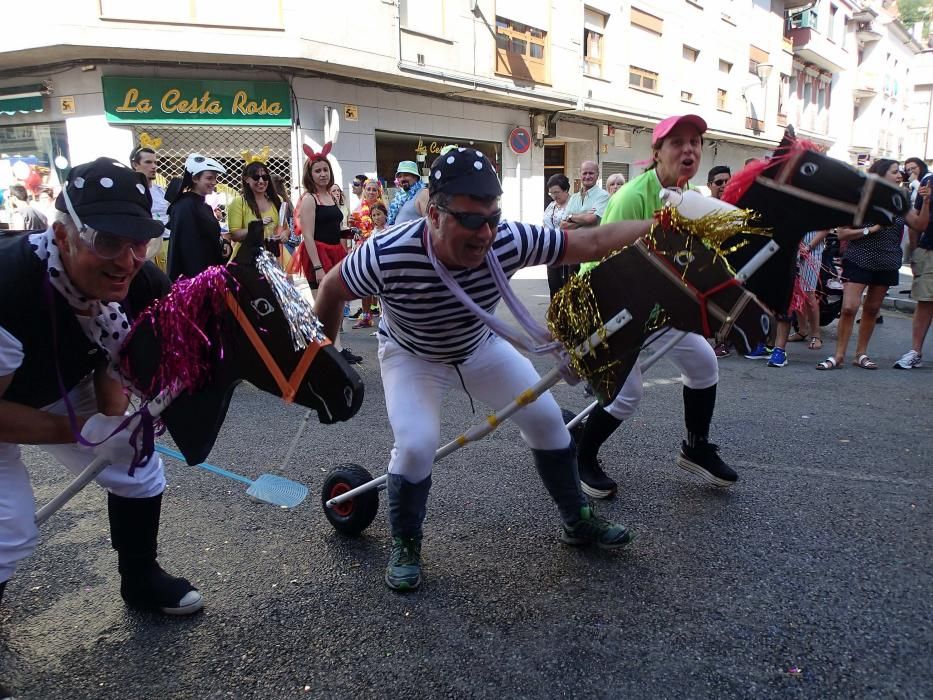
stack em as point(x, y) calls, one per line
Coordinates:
point(206, 102)
point(433, 148)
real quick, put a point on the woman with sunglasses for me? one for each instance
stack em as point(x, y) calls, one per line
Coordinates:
point(195, 244)
point(258, 201)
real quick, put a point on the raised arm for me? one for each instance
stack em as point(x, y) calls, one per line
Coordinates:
point(590, 244)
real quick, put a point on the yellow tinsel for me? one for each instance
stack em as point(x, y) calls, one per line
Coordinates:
point(573, 315)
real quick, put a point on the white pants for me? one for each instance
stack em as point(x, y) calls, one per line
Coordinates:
point(495, 374)
point(693, 356)
point(18, 531)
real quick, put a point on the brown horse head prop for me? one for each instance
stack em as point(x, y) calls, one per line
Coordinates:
point(670, 279)
point(242, 333)
point(797, 190)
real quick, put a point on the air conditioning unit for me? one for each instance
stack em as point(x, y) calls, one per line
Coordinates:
point(802, 20)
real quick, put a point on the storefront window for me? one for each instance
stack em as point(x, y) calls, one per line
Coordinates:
point(392, 148)
point(35, 156)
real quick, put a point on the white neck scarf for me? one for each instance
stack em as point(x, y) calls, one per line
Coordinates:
point(109, 324)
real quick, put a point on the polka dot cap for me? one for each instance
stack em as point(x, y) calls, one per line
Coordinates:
point(464, 171)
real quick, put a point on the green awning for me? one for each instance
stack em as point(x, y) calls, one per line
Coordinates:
point(12, 105)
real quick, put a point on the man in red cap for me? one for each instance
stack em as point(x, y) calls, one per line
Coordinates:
point(434, 276)
point(677, 144)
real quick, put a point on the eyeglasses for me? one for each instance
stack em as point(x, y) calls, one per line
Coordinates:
point(720, 183)
point(474, 222)
point(110, 247)
point(259, 178)
point(106, 245)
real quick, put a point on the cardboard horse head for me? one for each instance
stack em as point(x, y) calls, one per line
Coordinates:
point(670, 279)
point(673, 279)
point(249, 340)
point(796, 191)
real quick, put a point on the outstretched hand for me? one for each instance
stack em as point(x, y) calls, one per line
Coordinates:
point(116, 444)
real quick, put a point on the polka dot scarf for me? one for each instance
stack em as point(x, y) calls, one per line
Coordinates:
point(109, 324)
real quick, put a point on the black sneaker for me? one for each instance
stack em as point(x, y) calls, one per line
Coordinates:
point(704, 461)
point(403, 572)
point(350, 357)
point(594, 480)
point(595, 529)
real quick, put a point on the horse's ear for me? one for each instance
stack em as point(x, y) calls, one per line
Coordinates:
point(249, 247)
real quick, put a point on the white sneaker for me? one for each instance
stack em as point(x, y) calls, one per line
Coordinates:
point(910, 360)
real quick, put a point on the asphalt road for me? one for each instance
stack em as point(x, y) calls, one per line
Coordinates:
point(810, 578)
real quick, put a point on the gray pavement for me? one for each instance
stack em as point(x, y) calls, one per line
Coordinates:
point(810, 578)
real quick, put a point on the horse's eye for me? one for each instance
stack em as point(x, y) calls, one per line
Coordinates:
point(897, 201)
point(809, 169)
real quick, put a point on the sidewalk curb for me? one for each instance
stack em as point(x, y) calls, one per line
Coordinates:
point(905, 306)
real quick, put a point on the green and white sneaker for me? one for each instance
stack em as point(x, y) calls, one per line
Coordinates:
point(594, 529)
point(404, 570)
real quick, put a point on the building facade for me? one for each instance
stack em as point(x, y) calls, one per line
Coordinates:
point(540, 85)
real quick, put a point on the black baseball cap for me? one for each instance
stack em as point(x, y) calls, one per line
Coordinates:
point(110, 197)
point(464, 171)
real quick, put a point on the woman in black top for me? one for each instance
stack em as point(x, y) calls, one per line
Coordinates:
point(872, 260)
point(195, 244)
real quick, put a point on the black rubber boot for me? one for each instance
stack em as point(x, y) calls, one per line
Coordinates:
point(2, 589)
point(597, 429)
point(134, 529)
point(558, 472)
point(408, 506)
point(699, 405)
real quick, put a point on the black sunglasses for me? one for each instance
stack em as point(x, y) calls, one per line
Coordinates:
point(257, 178)
point(475, 222)
point(720, 183)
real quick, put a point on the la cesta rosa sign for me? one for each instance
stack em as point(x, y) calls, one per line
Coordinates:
point(167, 101)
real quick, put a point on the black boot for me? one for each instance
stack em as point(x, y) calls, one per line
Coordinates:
point(697, 454)
point(2, 589)
point(134, 529)
point(558, 471)
point(408, 506)
point(597, 429)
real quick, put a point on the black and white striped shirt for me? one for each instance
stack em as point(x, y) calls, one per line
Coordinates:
point(419, 312)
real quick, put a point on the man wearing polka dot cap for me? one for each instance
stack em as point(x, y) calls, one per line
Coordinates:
point(434, 277)
point(75, 278)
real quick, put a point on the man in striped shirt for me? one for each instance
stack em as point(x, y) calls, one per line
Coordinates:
point(431, 341)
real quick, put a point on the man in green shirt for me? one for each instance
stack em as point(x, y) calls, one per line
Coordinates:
point(677, 144)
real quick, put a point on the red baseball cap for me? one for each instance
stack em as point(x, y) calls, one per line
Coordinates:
point(666, 126)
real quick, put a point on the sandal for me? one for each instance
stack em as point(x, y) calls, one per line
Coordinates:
point(797, 337)
point(865, 362)
point(816, 343)
point(830, 363)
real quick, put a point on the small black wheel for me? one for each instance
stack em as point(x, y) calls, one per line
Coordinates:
point(577, 431)
point(353, 516)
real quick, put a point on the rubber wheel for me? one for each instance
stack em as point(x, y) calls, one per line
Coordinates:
point(577, 432)
point(355, 515)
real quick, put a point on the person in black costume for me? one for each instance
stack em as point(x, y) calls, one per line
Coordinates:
point(196, 243)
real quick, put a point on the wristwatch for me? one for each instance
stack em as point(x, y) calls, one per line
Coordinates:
point(865, 231)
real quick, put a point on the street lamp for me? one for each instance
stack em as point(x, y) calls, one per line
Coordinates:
point(764, 72)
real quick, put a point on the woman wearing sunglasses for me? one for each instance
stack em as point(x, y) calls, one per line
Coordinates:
point(195, 244)
point(258, 201)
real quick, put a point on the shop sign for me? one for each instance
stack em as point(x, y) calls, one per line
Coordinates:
point(168, 101)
